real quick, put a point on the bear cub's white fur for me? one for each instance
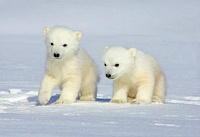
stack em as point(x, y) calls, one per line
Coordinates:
point(138, 79)
point(67, 66)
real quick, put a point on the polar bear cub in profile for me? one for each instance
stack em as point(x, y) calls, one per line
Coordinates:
point(67, 66)
point(138, 79)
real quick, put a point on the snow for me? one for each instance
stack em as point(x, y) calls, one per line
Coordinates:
point(168, 30)
point(14, 91)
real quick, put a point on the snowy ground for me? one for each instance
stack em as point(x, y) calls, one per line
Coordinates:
point(168, 30)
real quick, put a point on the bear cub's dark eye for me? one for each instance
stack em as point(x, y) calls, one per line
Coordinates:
point(105, 64)
point(116, 65)
point(65, 45)
point(52, 44)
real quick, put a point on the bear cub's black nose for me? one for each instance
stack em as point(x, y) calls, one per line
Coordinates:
point(56, 55)
point(108, 75)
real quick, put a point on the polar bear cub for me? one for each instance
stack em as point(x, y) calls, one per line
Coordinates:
point(138, 79)
point(67, 66)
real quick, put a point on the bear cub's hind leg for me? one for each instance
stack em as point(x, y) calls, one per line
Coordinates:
point(88, 93)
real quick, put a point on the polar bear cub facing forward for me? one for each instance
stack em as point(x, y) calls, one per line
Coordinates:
point(67, 66)
point(138, 79)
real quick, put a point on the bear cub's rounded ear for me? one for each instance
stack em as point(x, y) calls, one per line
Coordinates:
point(105, 48)
point(46, 30)
point(133, 51)
point(78, 35)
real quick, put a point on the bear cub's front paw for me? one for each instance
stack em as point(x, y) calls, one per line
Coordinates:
point(135, 101)
point(87, 98)
point(64, 101)
point(118, 101)
point(44, 97)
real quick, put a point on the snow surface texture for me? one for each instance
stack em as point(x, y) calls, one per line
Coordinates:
point(168, 30)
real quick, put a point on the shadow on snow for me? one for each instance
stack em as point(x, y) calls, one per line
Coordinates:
point(56, 97)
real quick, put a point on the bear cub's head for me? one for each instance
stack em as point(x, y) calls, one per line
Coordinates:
point(61, 42)
point(118, 61)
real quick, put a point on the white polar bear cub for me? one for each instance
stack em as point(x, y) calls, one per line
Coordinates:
point(67, 66)
point(138, 79)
